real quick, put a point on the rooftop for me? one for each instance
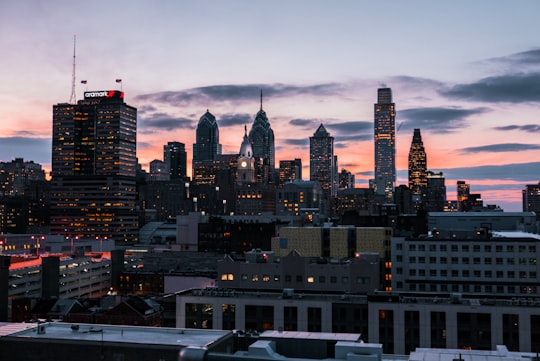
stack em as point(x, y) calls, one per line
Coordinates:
point(143, 336)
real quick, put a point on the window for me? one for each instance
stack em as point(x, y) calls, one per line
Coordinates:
point(288, 278)
point(333, 279)
point(511, 274)
point(322, 279)
point(412, 259)
point(442, 260)
point(532, 249)
point(476, 248)
point(422, 247)
point(399, 258)
point(509, 248)
point(422, 272)
point(465, 273)
point(455, 273)
point(444, 273)
point(465, 248)
point(476, 260)
point(432, 260)
point(399, 247)
point(499, 274)
point(412, 247)
point(509, 261)
point(442, 247)
point(432, 248)
point(454, 248)
point(266, 278)
point(345, 279)
point(455, 260)
point(298, 278)
point(244, 277)
point(487, 248)
point(310, 279)
point(254, 278)
point(412, 272)
point(498, 248)
point(499, 260)
point(276, 278)
point(465, 260)
point(487, 260)
point(487, 274)
point(477, 274)
point(432, 273)
point(421, 259)
point(399, 270)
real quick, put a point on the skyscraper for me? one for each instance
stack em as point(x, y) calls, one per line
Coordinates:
point(417, 169)
point(385, 144)
point(205, 150)
point(174, 155)
point(94, 168)
point(436, 192)
point(262, 140)
point(290, 170)
point(246, 163)
point(531, 198)
point(321, 161)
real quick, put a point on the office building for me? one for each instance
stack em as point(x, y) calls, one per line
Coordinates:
point(417, 170)
point(435, 200)
point(346, 179)
point(159, 170)
point(481, 262)
point(322, 161)
point(262, 140)
point(385, 144)
point(174, 155)
point(205, 150)
point(93, 191)
point(531, 198)
point(290, 170)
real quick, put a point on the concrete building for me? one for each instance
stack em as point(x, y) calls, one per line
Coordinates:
point(483, 263)
point(472, 221)
point(261, 270)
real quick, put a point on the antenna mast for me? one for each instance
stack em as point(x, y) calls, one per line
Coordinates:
point(73, 98)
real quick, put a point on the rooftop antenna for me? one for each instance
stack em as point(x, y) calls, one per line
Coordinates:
point(261, 99)
point(73, 98)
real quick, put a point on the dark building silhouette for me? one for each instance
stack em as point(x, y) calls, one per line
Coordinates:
point(205, 150)
point(346, 179)
point(174, 155)
point(50, 280)
point(436, 192)
point(93, 190)
point(322, 161)
point(531, 198)
point(417, 170)
point(5, 262)
point(385, 144)
point(262, 140)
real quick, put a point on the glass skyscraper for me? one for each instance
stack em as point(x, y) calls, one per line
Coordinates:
point(385, 144)
point(417, 169)
point(262, 141)
point(94, 168)
point(205, 150)
point(321, 161)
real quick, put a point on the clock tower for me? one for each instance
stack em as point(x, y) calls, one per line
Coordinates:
point(246, 162)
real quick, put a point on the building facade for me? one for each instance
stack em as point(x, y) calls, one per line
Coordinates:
point(175, 156)
point(417, 170)
point(385, 144)
point(321, 161)
point(93, 190)
point(531, 198)
point(205, 150)
point(262, 140)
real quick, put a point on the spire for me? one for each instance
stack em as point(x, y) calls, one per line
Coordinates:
point(245, 130)
point(261, 99)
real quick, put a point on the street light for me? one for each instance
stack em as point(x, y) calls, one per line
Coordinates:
point(195, 203)
point(224, 206)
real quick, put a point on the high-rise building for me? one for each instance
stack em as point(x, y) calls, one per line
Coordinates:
point(290, 170)
point(205, 150)
point(159, 171)
point(417, 169)
point(436, 192)
point(385, 144)
point(463, 192)
point(262, 140)
point(93, 190)
point(346, 179)
point(531, 198)
point(321, 161)
point(246, 163)
point(174, 155)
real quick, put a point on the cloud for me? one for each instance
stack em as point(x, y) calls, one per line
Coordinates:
point(529, 128)
point(162, 121)
point(445, 119)
point(524, 58)
point(28, 148)
point(519, 172)
point(509, 88)
point(499, 148)
point(350, 127)
point(237, 93)
point(302, 142)
point(230, 119)
point(304, 123)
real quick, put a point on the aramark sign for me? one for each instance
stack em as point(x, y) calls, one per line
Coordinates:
point(110, 94)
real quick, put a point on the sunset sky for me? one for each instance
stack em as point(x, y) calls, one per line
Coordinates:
point(467, 73)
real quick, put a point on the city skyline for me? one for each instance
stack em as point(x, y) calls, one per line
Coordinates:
point(469, 79)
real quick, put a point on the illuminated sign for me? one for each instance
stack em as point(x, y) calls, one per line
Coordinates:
point(109, 94)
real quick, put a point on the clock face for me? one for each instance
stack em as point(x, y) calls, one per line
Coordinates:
point(243, 164)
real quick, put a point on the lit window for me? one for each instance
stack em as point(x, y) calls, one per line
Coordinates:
point(310, 279)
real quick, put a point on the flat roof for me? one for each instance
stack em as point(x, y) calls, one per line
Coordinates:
point(144, 336)
point(352, 337)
